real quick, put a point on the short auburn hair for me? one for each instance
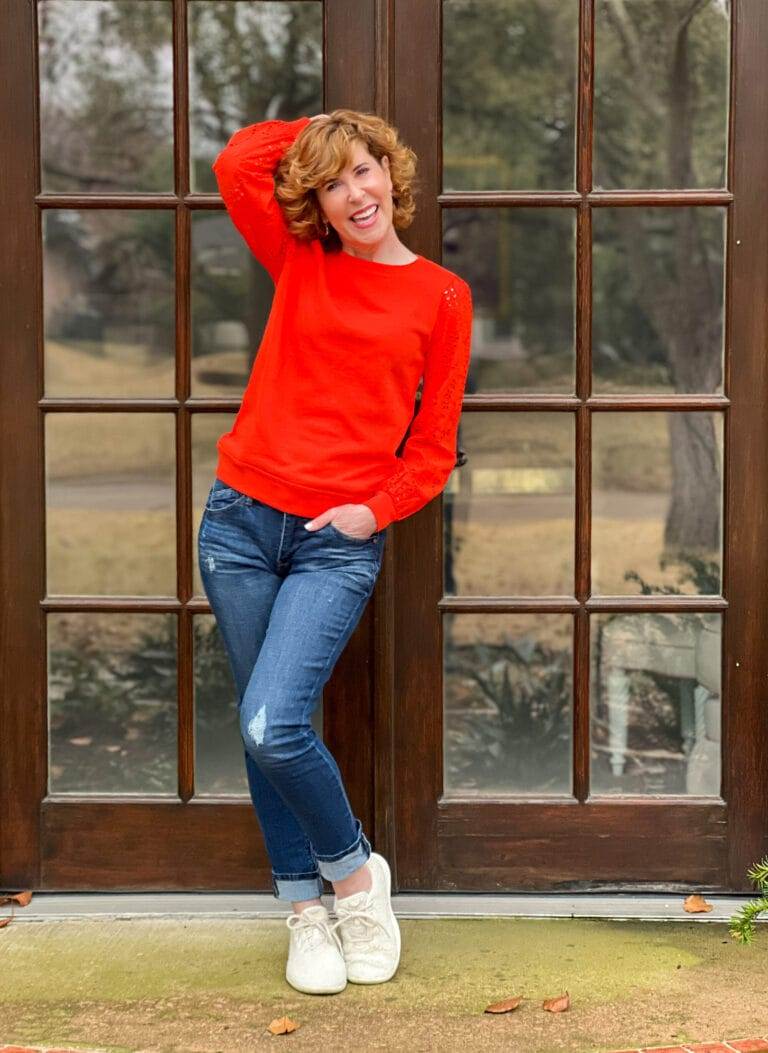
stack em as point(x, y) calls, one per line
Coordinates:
point(320, 152)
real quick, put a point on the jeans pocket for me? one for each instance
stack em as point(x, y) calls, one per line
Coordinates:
point(221, 496)
point(354, 540)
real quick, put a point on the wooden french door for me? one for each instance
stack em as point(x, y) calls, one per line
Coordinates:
point(131, 311)
point(581, 676)
point(560, 680)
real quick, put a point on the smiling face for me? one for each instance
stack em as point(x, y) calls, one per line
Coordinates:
point(364, 187)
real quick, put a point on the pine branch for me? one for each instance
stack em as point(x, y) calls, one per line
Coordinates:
point(743, 922)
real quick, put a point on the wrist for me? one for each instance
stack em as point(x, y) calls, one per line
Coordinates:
point(383, 509)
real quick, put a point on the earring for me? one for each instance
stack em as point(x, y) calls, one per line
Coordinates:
point(325, 228)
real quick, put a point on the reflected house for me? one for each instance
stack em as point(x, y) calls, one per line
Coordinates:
point(562, 664)
point(679, 653)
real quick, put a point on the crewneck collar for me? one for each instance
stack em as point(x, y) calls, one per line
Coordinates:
point(362, 263)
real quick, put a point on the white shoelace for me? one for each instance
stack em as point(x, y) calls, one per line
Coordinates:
point(363, 932)
point(313, 931)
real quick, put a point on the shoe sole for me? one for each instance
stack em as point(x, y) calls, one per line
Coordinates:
point(388, 874)
point(315, 990)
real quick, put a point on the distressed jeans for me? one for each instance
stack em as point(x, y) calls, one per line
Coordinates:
point(286, 601)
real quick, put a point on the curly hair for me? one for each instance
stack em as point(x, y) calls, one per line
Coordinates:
point(321, 151)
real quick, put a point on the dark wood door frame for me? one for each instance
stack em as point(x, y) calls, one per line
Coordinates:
point(586, 841)
point(22, 681)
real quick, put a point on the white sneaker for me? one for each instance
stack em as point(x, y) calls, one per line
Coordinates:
point(370, 935)
point(315, 959)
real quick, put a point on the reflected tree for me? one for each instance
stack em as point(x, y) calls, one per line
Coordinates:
point(672, 54)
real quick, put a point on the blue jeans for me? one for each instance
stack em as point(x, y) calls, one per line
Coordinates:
point(286, 601)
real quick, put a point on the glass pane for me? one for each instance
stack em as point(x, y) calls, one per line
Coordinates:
point(231, 298)
point(219, 752)
point(508, 513)
point(509, 94)
point(657, 502)
point(112, 703)
point(656, 704)
point(106, 95)
point(206, 430)
point(110, 504)
point(108, 302)
point(523, 294)
point(658, 295)
point(508, 691)
point(661, 93)
point(248, 63)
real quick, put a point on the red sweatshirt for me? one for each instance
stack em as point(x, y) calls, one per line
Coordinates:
point(332, 390)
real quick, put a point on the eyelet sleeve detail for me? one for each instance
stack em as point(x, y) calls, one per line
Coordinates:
point(244, 171)
point(429, 454)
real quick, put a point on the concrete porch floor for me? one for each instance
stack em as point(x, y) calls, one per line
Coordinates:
point(201, 973)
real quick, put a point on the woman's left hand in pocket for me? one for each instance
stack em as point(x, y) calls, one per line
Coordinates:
point(356, 520)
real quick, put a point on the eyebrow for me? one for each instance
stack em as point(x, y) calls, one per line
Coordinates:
point(359, 165)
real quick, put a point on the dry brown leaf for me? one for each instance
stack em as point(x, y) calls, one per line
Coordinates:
point(557, 1005)
point(506, 1006)
point(22, 898)
point(696, 905)
point(281, 1025)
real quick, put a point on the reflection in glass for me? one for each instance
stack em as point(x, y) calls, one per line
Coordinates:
point(657, 502)
point(508, 513)
point(231, 299)
point(509, 94)
point(206, 430)
point(661, 93)
point(106, 96)
point(108, 303)
point(520, 263)
point(276, 49)
point(110, 504)
point(656, 704)
point(508, 687)
point(219, 751)
point(112, 703)
point(658, 295)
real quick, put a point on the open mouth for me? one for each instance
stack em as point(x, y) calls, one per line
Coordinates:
point(367, 218)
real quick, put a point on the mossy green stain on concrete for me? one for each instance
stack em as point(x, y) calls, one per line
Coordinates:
point(69, 979)
point(458, 964)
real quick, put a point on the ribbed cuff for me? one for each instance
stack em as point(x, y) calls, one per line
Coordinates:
point(383, 509)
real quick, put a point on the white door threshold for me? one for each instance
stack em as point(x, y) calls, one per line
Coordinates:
point(654, 906)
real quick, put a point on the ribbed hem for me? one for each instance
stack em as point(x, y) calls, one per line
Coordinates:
point(383, 508)
point(286, 496)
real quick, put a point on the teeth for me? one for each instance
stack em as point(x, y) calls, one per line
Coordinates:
point(365, 215)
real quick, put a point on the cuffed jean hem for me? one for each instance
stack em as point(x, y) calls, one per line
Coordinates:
point(297, 887)
point(341, 865)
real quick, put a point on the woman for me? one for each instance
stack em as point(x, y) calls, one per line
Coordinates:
point(308, 481)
